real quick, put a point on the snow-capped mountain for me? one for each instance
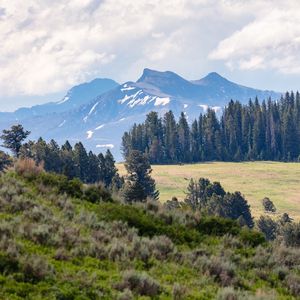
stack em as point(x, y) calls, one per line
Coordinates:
point(100, 122)
point(75, 97)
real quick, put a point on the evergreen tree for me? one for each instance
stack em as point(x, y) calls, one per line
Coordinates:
point(183, 139)
point(110, 169)
point(138, 185)
point(81, 161)
point(13, 138)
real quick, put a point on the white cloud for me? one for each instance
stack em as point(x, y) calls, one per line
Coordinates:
point(270, 41)
point(50, 45)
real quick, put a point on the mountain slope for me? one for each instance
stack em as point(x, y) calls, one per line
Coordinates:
point(101, 121)
point(75, 97)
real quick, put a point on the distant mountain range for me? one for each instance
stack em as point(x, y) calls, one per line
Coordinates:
point(98, 112)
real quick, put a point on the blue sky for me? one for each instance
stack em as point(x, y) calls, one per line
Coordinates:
point(48, 46)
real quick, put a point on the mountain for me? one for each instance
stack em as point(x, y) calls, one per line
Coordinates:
point(75, 97)
point(99, 118)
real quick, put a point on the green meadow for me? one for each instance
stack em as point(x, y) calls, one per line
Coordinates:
point(256, 180)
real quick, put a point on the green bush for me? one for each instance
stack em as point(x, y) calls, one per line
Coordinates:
point(148, 225)
point(96, 194)
point(139, 283)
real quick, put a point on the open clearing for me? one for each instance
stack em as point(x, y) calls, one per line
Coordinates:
point(256, 180)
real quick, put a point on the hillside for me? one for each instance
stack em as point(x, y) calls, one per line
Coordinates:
point(256, 180)
point(59, 241)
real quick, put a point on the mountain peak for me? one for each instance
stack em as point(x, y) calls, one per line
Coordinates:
point(214, 76)
point(151, 76)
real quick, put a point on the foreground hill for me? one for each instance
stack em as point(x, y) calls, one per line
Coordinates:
point(256, 180)
point(99, 112)
point(59, 241)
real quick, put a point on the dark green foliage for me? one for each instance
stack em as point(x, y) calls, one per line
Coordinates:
point(96, 194)
point(211, 198)
point(291, 234)
point(268, 205)
point(257, 131)
point(138, 185)
point(13, 138)
point(217, 226)
point(268, 227)
point(147, 224)
point(73, 163)
point(284, 219)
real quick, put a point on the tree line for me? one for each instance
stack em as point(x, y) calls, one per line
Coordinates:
point(256, 131)
point(76, 162)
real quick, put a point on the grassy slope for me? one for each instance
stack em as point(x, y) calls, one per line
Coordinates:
point(256, 180)
point(54, 247)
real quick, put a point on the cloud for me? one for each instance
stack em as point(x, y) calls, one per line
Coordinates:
point(270, 41)
point(48, 46)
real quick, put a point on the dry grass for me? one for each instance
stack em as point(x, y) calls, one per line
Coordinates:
point(256, 180)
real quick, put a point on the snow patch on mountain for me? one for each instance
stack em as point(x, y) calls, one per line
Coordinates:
point(65, 99)
point(91, 111)
point(127, 88)
point(162, 101)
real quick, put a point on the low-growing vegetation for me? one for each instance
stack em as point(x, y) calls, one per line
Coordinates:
point(63, 239)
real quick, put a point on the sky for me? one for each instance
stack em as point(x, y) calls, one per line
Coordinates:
point(48, 46)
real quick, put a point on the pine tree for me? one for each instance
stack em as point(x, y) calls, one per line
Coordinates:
point(170, 137)
point(138, 185)
point(183, 139)
point(81, 161)
point(93, 174)
point(13, 138)
point(110, 169)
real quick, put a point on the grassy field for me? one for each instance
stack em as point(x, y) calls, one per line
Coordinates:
point(256, 180)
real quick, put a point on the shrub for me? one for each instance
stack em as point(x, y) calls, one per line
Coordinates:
point(5, 161)
point(291, 234)
point(8, 263)
point(221, 270)
point(286, 256)
point(268, 205)
point(179, 292)
point(139, 283)
point(161, 247)
point(251, 237)
point(117, 251)
point(147, 225)
point(28, 168)
point(217, 226)
point(227, 293)
point(293, 284)
point(268, 227)
point(62, 184)
point(96, 193)
point(36, 268)
point(126, 295)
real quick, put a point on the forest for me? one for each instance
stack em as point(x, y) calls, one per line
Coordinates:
point(256, 131)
